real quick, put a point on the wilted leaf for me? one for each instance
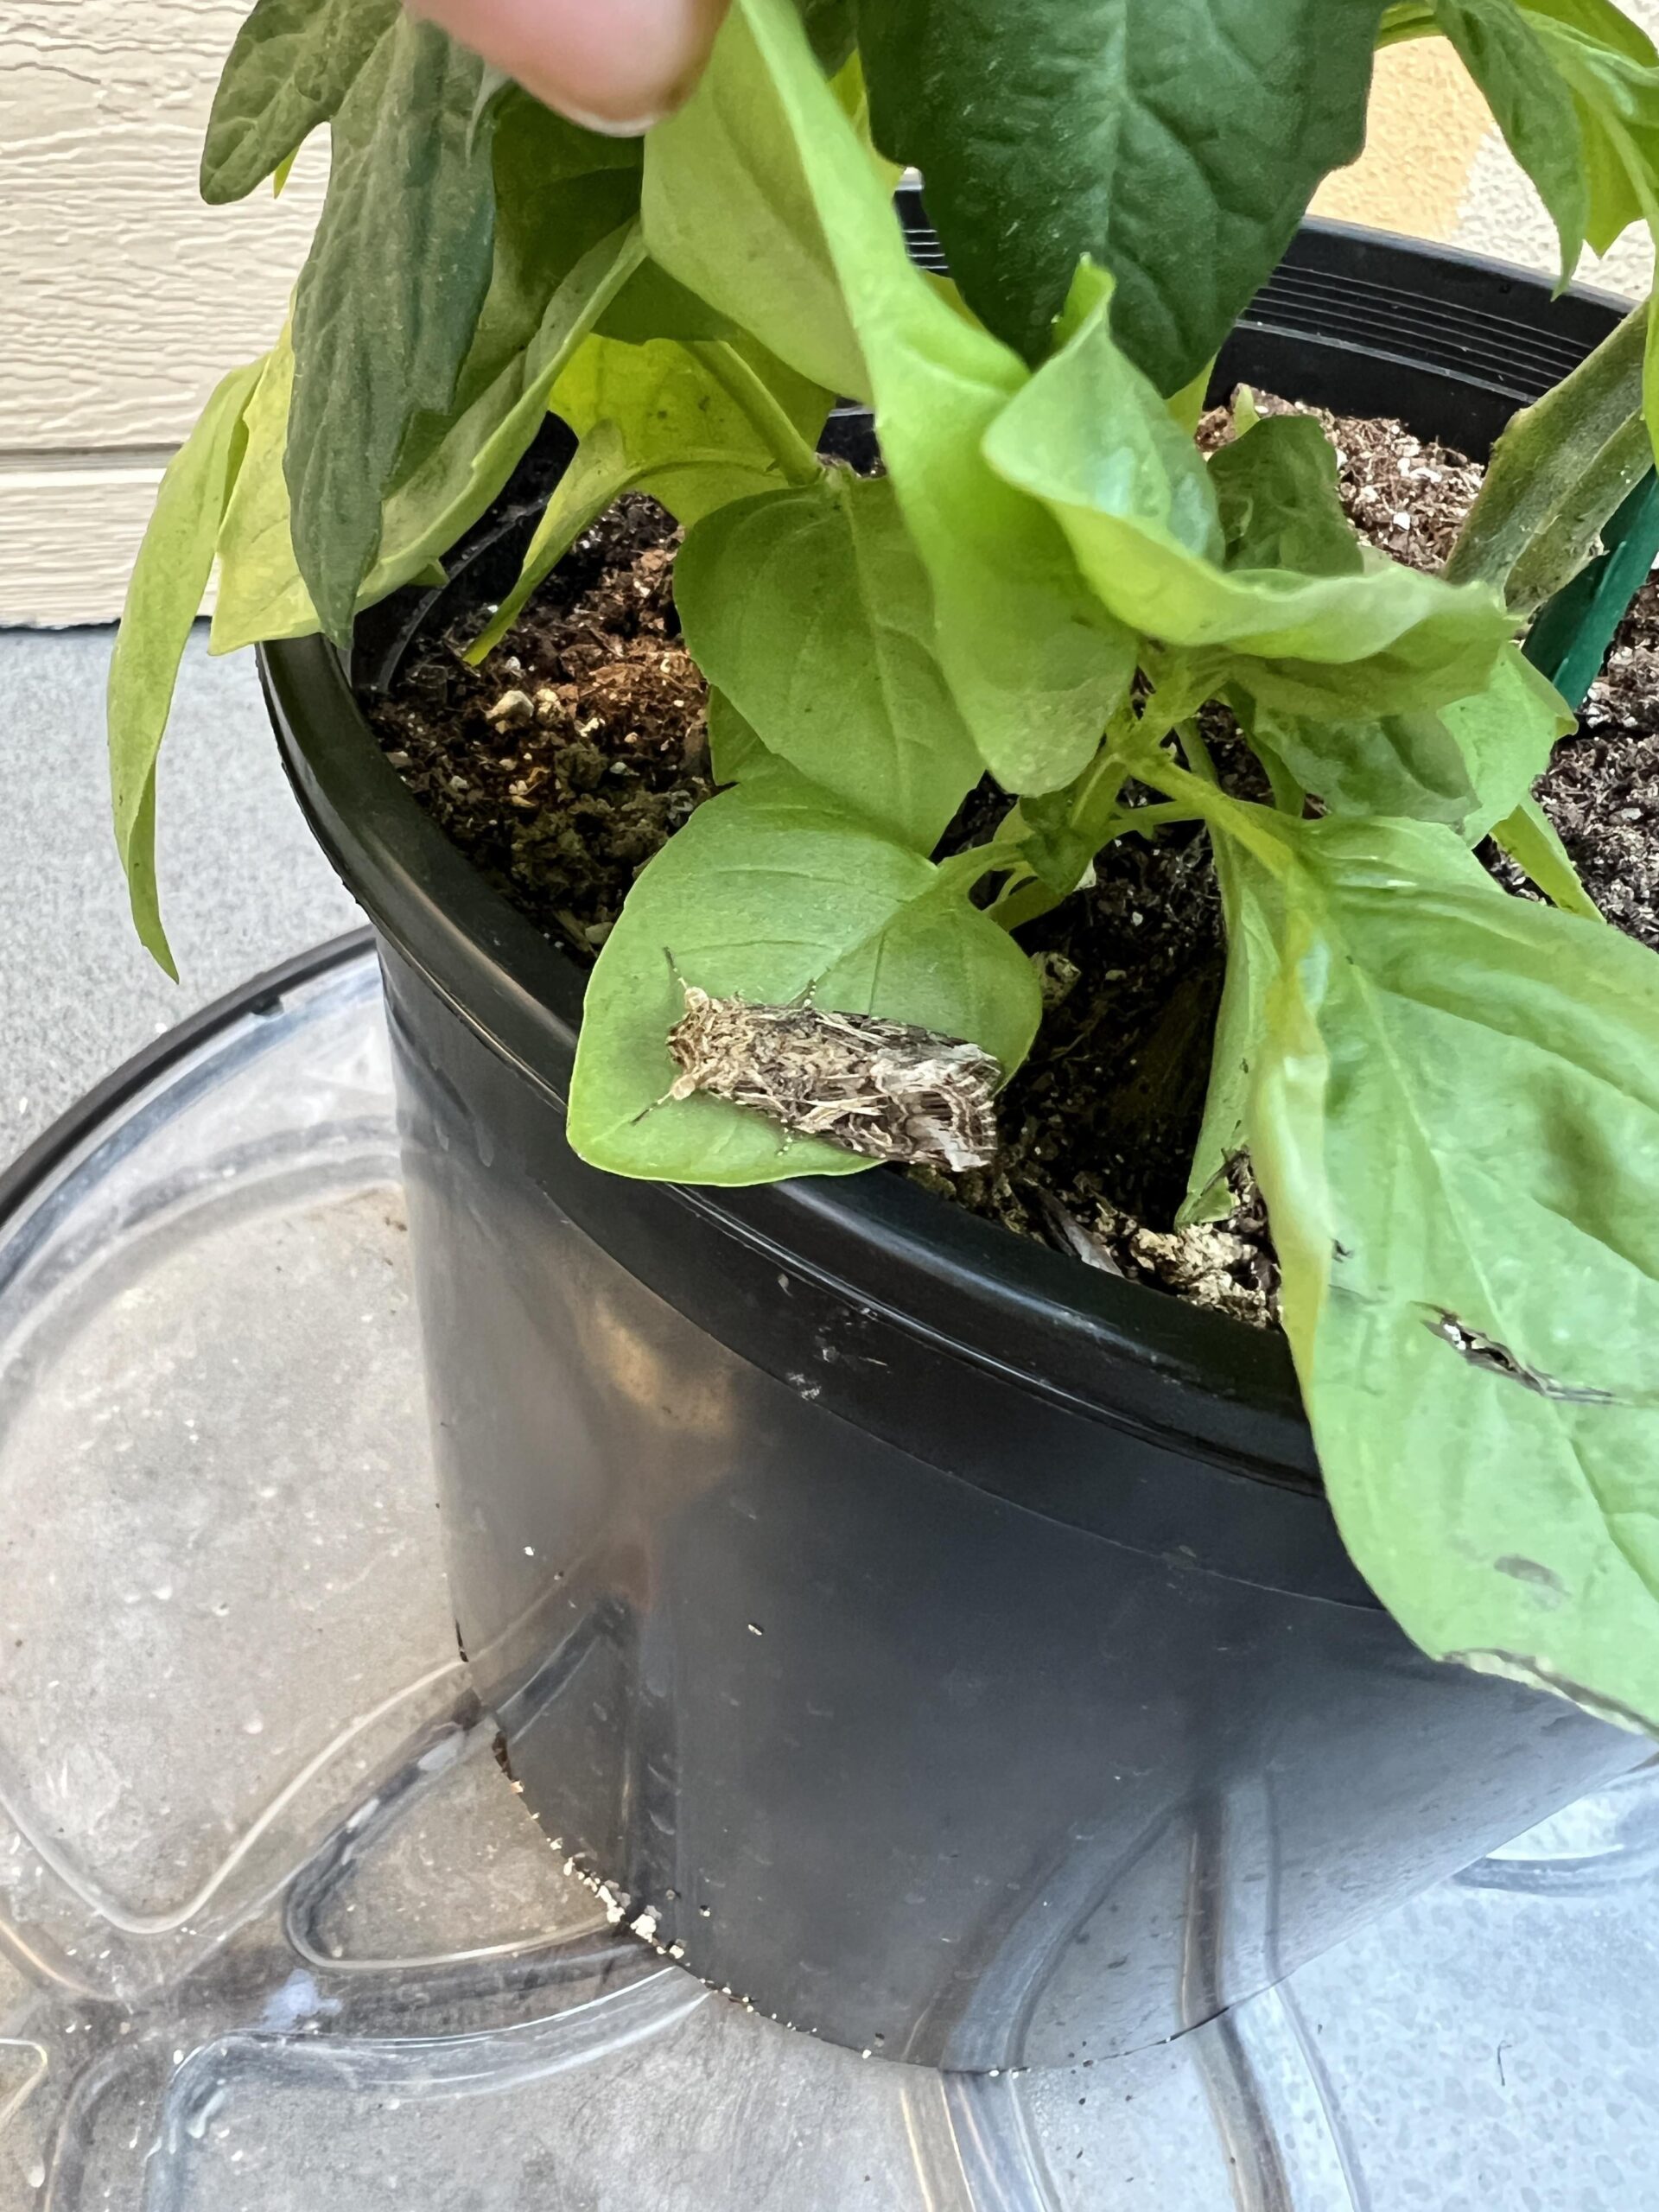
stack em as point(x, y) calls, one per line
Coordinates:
point(291, 64)
point(389, 300)
point(262, 594)
point(168, 579)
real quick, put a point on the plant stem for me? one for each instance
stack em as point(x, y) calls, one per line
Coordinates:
point(749, 391)
point(1558, 474)
point(1197, 752)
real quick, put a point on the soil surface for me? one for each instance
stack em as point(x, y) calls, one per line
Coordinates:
point(565, 763)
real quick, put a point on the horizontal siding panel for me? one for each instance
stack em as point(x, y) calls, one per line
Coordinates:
point(67, 538)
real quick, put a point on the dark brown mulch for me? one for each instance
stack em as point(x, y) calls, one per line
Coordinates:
point(562, 766)
point(566, 763)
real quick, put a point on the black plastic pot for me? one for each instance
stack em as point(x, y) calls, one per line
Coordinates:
point(949, 1647)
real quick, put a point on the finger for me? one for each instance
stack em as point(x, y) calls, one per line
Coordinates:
point(615, 64)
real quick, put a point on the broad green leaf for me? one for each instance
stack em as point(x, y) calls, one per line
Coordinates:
point(1454, 1121)
point(262, 594)
point(810, 612)
point(657, 418)
point(1600, 20)
point(1529, 838)
point(1468, 765)
point(389, 299)
point(728, 212)
point(291, 66)
point(1036, 665)
point(769, 888)
point(168, 579)
point(1503, 51)
point(1090, 435)
point(1277, 498)
point(1178, 141)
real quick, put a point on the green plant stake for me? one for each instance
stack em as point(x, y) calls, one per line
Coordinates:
point(1569, 640)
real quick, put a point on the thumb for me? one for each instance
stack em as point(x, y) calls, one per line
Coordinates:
point(616, 65)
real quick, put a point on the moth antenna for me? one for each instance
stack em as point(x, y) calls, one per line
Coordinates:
point(673, 967)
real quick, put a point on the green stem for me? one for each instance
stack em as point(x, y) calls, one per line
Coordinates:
point(749, 391)
point(1558, 474)
point(1027, 896)
point(1197, 752)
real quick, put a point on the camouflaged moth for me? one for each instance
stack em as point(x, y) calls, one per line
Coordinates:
point(883, 1089)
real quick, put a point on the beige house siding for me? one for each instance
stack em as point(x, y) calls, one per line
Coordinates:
point(124, 298)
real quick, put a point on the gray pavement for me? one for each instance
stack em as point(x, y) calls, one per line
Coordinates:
point(242, 884)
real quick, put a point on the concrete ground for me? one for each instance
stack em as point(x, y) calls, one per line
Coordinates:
point(242, 884)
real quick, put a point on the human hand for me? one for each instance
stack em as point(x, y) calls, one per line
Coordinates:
point(614, 65)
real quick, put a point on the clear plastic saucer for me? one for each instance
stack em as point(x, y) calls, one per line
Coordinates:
point(275, 1933)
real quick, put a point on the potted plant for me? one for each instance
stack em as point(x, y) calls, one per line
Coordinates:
point(964, 1652)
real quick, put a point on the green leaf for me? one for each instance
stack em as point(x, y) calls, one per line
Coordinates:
point(1454, 1122)
point(1091, 437)
point(1406, 764)
point(1177, 142)
point(1251, 906)
point(733, 402)
point(769, 888)
point(1613, 85)
point(389, 300)
point(1277, 497)
point(1467, 765)
point(733, 749)
point(1504, 52)
point(810, 612)
point(168, 579)
point(560, 191)
point(291, 66)
point(832, 29)
point(1529, 838)
point(728, 213)
point(1036, 666)
point(1506, 733)
point(656, 418)
point(654, 306)
point(262, 594)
